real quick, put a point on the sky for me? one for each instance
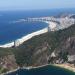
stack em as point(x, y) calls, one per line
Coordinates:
point(35, 4)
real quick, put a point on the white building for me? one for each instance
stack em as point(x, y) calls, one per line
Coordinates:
point(53, 25)
point(16, 43)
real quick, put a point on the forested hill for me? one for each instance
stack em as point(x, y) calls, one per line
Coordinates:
point(40, 50)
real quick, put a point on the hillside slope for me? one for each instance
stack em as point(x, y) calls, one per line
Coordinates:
point(51, 47)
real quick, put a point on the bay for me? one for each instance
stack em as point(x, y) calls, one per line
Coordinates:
point(46, 70)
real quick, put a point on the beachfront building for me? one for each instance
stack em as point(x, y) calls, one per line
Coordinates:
point(66, 22)
point(53, 25)
point(16, 43)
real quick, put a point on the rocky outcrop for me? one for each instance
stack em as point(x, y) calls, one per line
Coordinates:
point(7, 63)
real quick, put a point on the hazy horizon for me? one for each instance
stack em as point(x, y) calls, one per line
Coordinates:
point(35, 5)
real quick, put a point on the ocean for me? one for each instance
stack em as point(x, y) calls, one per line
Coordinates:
point(11, 30)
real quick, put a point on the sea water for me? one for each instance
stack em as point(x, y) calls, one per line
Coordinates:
point(46, 70)
point(10, 29)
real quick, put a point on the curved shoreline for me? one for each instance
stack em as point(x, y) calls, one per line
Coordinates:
point(66, 66)
point(63, 66)
point(25, 38)
point(26, 68)
point(19, 41)
point(10, 71)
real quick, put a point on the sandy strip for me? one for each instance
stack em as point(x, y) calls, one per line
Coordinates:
point(33, 67)
point(67, 66)
point(26, 68)
point(25, 38)
point(14, 70)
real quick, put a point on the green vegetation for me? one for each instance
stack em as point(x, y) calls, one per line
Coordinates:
point(24, 54)
point(5, 51)
point(3, 70)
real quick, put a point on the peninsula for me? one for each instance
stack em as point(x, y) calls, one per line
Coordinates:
point(54, 47)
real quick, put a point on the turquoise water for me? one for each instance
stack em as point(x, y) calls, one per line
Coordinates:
point(47, 70)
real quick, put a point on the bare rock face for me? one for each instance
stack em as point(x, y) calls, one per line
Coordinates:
point(8, 62)
point(66, 51)
point(52, 47)
point(40, 55)
point(70, 45)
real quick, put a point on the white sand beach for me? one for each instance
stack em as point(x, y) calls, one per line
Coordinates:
point(67, 66)
point(25, 38)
